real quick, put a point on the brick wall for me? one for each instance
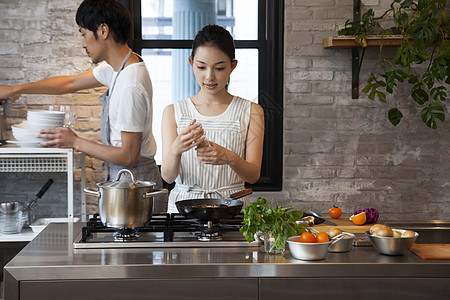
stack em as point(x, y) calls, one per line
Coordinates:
point(337, 150)
point(343, 151)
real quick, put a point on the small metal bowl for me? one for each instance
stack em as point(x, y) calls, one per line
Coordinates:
point(307, 251)
point(343, 244)
point(391, 245)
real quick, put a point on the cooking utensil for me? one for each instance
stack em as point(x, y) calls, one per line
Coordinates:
point(213, 209)
point(325, 221)
point(125, 203)
point(12, 217)
point(307, 251)
point(29, 208)
point(431, 251)
point(392, 245)
point(39, 195)
point(342, 242)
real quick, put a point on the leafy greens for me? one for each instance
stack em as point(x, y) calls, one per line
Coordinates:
point(260, 216)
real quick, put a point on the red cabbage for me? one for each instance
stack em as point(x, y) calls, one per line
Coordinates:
point(371, 214)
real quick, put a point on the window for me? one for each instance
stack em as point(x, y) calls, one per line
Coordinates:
point(163, 33)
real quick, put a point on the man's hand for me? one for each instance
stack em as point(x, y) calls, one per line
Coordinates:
point(61, 137)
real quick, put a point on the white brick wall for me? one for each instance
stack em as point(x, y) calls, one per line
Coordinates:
point(337, 150)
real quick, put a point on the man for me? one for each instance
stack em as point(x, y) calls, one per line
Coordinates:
point(126, 123)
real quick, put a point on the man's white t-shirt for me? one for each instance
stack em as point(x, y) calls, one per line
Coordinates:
point(130, 107)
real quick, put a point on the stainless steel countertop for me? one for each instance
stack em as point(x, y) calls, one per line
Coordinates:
point(50, 256)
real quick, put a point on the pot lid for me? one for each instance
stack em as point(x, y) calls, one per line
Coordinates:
point(126, 184)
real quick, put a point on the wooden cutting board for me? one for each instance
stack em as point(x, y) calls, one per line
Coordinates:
point(432, 251)
point(344, 224)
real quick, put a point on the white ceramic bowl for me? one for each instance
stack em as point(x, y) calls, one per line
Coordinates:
point(38, 126)
point(307, 251)
point(55, 115)
point(20, 126)
point(392, 245)
point(21, 132)
point(33, 119)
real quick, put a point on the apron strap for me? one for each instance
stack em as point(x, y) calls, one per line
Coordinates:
point(105, 127)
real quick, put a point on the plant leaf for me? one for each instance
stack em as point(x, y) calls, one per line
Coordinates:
point(395, 116)
point(420, 96)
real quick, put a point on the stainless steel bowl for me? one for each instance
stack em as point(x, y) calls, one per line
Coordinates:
point(343, 244)
point(13, 222)
point(307, 251)
point(11, 207)
point(391, 245)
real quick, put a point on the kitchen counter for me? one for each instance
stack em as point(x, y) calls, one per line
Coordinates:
point(25, 235)
point(50, 266)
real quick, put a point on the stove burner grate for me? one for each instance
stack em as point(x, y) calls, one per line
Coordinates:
point(125, 234)
point(168, 224)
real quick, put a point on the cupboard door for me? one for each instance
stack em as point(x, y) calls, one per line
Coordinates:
point(354, 288)
point(149, 289)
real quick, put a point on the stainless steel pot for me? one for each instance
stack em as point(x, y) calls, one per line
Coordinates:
point(126, 203)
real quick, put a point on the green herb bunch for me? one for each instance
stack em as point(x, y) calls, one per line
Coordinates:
point(423, 27)
point(260, 216)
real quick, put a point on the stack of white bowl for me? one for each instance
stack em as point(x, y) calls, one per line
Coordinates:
point(26, 131)
point(45, 119)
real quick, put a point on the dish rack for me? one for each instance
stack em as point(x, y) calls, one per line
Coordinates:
point(49, 160)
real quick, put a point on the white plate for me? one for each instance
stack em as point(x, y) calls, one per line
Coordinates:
point(40, 224)
point(26, 144)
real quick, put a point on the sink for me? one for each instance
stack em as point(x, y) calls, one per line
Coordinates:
point(430, 232)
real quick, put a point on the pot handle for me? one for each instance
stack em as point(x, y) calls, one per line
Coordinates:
point(125, 170)
point(92, 192)
point(156, 192)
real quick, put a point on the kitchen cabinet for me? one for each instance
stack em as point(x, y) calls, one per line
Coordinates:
point(148, 289)
point(354, 288)
point(13, 159)
point(49, 266)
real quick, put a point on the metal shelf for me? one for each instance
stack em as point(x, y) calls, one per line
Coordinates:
point(13, 159)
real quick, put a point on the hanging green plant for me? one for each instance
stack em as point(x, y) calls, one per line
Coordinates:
point(422, 61)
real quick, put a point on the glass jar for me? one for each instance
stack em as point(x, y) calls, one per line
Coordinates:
point(269, 244)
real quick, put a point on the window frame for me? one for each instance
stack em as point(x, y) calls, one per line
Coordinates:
point(270, 44)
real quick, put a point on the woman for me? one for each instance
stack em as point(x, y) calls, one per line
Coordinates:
point(212, 143)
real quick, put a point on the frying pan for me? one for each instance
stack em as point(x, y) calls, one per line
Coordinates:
point(213, 209)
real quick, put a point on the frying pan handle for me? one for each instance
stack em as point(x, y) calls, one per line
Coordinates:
point(156, 192)
point(92, 192)
point(44, 188)
point(241, 194)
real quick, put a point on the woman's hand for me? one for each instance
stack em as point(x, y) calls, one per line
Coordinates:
point(188, 138)
point(214, 154)
point(61, 137)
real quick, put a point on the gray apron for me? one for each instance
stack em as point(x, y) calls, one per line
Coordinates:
point(146, 168)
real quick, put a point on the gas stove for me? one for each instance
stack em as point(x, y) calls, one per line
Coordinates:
point(165, 230)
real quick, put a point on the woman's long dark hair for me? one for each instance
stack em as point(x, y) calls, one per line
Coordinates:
point(215, 35)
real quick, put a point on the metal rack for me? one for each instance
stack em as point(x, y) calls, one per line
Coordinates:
point(14, 159)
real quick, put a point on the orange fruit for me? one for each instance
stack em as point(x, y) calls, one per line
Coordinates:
point(359, 219)
point(335, 212)
point(307, 237)
point(322, 237)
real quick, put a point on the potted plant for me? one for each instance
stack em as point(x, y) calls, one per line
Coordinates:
point(275, 222)
point(422, 60)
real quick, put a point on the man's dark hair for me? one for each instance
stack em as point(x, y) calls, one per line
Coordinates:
point(92, 13)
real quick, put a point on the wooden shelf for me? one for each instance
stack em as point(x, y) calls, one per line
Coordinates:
point(349, 41)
